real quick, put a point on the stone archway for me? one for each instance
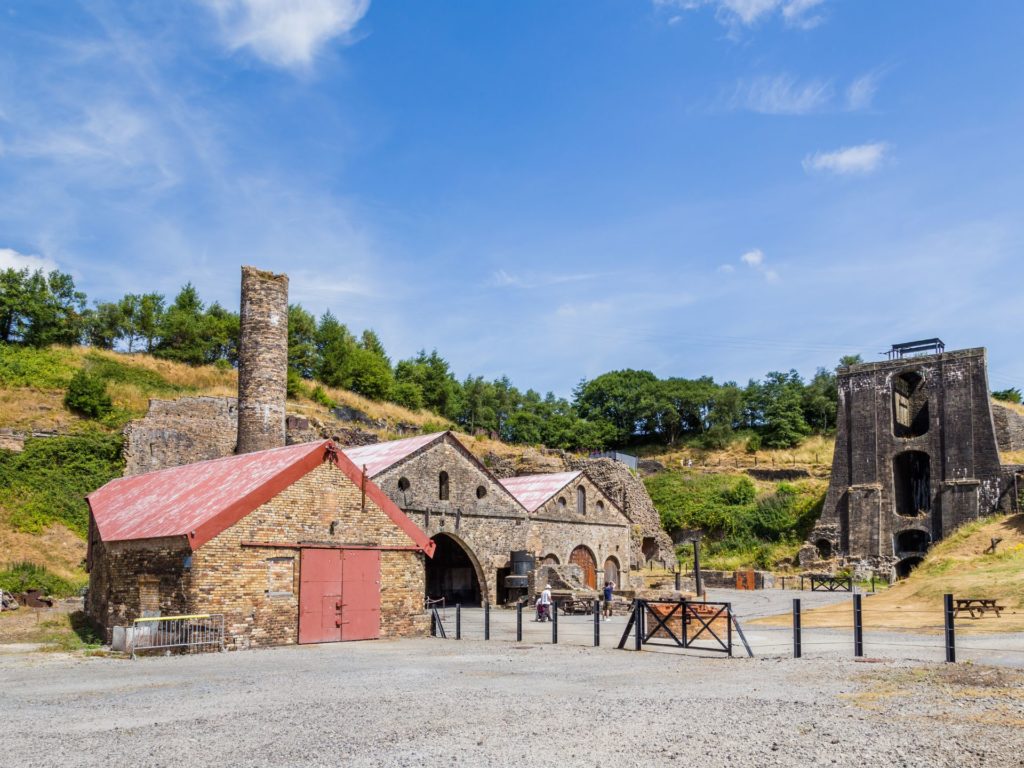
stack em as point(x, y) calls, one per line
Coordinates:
point(454, 573)
point(584, 558)
point(611, 571)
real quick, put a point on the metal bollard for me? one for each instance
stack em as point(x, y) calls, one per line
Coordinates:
point(554, 622)
point(679, 581)
point(947, 602)
point(519, 622)
point(597, 623)
point(858, 626)
point(487, 621)
point(638, 614)
point(796, 628)
point(458, 621)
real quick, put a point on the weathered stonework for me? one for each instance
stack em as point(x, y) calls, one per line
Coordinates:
point(262, 360)
point(256, 586)
point(487, 521)
point(1009, 426)
point(182, 431)
point(915, 457)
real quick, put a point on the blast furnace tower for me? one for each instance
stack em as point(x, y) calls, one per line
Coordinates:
point(262, 360)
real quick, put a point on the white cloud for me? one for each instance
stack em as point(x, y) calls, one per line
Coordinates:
point(12, 259)
point(859, 160)
point(733, 13)
point(861, 92)
point(727, 268)
point(754, 258)
point(781, 95)
point(286, 33)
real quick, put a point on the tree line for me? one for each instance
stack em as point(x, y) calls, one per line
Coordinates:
point(619, 408)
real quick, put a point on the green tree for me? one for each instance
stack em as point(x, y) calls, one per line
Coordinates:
point(1011, 395)
point(782, 401)
point(624, 399)
point(334, 347)
point(149, 319)
point(431, 374)
point(105, 325)
point(189, 335)
point(87, 395)
point(820, 401)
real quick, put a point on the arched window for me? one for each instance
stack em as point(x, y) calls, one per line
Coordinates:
point(600, 505)
point(561, 503)
point(481, 491)
point(442, 486)
point(581, 500)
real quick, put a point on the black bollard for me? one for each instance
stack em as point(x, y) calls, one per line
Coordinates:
point(679, 581)
point(797, 650)
point(858, 627)
point(458, 621)
point(487, 621)
point(554, 622)
point(638, 615)
point(519, 622)
point(947, 601)
point(597, 623)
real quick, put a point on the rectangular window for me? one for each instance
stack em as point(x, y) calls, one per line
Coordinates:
point(149, 596)
point(280, 576)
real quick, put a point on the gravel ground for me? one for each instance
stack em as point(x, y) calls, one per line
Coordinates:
point(432, 702)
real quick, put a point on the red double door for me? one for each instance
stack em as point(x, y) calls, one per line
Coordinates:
point(339, 595)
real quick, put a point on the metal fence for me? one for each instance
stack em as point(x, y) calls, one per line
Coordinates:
point(196, 633)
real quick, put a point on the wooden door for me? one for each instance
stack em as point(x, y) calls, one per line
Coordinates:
point(584, 558)
point(320, 596)
point(360, 591)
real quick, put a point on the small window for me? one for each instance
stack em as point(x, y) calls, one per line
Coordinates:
point(481, 491)
point(581, 500)
point(442, 486)
point(403, 483)
point(561, 502)
point(600, 506)
point(149, 596)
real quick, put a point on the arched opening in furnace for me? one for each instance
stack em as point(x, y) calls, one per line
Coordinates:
point(911, 472)
point(912, 541)
point(906, 565)
point(909, 405)
point(824, 547)
point(452, 574)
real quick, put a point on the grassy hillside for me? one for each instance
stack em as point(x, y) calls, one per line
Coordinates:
point(958, 565)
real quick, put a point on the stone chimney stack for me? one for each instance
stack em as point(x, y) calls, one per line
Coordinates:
point(262, 360)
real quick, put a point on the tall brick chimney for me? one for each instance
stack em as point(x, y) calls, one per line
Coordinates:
point(262, 360)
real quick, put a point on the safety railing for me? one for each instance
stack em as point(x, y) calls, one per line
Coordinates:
point(194, 633)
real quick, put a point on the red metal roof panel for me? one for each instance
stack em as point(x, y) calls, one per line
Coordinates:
point(533, 490)
point(381, 456)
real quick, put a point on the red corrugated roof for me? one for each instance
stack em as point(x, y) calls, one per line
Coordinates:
point(380, 456)
point(200, 500)
point(533, 490)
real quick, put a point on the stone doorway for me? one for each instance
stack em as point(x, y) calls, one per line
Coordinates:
point(452, 574)
point(585, 559)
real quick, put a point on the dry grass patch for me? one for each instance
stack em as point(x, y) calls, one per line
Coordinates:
point(25, 409)
point(58, 548)
point(813, 454)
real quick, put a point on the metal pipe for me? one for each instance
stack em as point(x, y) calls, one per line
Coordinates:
point(638, 612)
point(696, 568)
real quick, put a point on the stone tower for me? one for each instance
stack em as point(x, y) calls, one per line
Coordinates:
point(915, 457)
point(262, 360)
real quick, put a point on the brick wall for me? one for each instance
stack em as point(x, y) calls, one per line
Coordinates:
point(249, 585)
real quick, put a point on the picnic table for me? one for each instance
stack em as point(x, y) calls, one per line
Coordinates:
point(977, 606)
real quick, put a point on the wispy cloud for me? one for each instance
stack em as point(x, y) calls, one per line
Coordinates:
point(861, 92)
point(12, 259)
point(781, 95)
point(858, 160)
point(286, 34)
point(504, 279)
point(736, 13)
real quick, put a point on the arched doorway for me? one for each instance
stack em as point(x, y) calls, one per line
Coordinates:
point(452, 574)
point(824, 547)
point(906, 565)
point(611, 571)
point(911, 474)
point(551, 559)
point(585, 559)
point(911, 541)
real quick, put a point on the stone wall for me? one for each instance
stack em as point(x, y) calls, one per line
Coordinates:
point(179, 432)
point(628, 491)
point(876, 492)
point(1009, 426)
point(257, 587)
point(262, 360)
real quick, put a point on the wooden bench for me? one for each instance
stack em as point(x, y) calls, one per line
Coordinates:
point(977, 606)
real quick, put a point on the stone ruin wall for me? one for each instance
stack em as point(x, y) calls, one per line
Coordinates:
point(1009, 426)
point(262, 360)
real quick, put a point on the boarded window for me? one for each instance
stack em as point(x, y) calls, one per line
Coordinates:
point(149, 596)
point(442, 486)
point(280, 576)
point(581, 500)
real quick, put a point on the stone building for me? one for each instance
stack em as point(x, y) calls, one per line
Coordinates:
point(915, 457)
point(477, 521)
point(273, 540)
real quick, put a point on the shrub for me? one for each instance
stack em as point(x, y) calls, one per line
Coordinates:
point(753, 444)
point(21, 577)
point(318, 395)
point(31, 367)
point(108, 369)
point(87, 395)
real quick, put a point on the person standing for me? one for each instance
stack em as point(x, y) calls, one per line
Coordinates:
point(545, 602)
point(609, 589)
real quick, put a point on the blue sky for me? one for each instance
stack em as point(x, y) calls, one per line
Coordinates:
point(548, 190)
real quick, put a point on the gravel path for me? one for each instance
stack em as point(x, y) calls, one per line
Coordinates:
point(431, 702)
